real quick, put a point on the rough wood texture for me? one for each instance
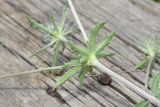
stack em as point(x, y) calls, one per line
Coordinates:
point(133, 20)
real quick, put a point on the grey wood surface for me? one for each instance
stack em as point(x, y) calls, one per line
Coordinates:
point(132, 20)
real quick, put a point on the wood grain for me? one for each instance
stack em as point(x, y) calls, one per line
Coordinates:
point(132, 20)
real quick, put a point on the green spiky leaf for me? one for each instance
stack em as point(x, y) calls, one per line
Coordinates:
point(83, 59)
point(71, 63)
point(104, 54)
point(155, 85)
point(78, 49)
point(145, 51)
point(151, 47)
point(156, 45)
point(81, 77)
point(142, 103)
point(66, 76)
point(44, 48)
point(55, 56)
point(93, 34)
point(148, 45)
point(65, 13)
point(53, 22)
point(39, 26)
point(107, 40)
point(70, 30)
point(142, 63)
point(151, 52)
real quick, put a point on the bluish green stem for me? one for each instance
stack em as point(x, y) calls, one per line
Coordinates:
point(147, 73)
point(30, 72)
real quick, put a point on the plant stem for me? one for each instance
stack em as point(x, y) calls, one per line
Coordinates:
point(147, 74)
point(104, 69)
point(30, 72)
point(78, 20)
point(127, 83)
point(55, 54)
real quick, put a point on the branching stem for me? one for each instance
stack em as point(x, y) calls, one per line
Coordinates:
point(147, 74)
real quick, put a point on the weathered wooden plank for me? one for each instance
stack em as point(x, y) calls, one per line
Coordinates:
point(120, 20)
point(22, 91)
point(117, 46)
point(53, 6)
point(72, 102)
point(142, 75)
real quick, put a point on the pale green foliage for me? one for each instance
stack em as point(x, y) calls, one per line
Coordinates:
point(56, 34)
point(155, 86)
point(142, 103)
point(85, 55)
point(81, 77)
point(92, 51)
point(67, 75)
point(151, 52)
point(142, 63)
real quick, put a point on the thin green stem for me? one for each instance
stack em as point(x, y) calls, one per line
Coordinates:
point(30, 72)
point(55, 58)
point(63, 48)
point(147, 73)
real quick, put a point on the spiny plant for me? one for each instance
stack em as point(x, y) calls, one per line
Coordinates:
point(56, 34)
point(85, 55)
point(151, 53)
